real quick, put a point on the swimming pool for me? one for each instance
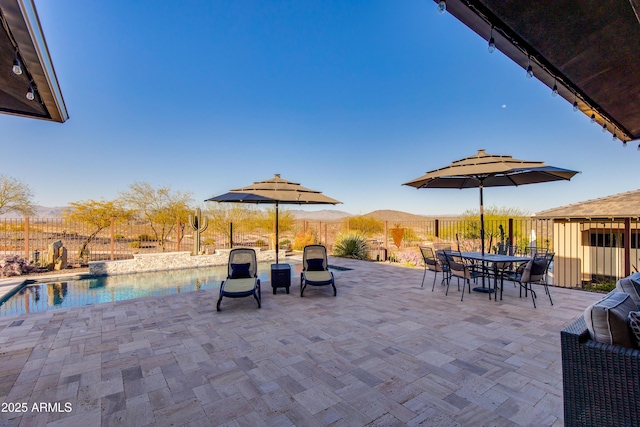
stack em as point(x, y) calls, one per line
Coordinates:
point(57, 294)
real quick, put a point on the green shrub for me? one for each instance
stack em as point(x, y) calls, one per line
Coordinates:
point(118, 236)
point(135, 245)
point(145, 238)
point(604, 286)
point(351, 245)
point(260, 243)
point(285, 244)
point(208, 241)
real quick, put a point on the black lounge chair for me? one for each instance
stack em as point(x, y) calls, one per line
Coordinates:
point(315, 269)
point(242, 276)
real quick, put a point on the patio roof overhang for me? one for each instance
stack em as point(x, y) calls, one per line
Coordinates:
point(589, 49)
point(20, 33)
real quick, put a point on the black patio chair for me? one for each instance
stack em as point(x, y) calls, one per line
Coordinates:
point(433, 263)
point(535, 272)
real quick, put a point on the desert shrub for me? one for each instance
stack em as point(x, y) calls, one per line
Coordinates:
point(285, 243)
point(351, 245)
point(303, 239)
point(410, 235)
point(135, 245)
point(208, 241)
point(260, 243)
point(13, 265)
point(84, 253)
point(118, 236)
point(145, 238)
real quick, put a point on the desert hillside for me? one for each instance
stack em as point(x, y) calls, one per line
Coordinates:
point(391, 216)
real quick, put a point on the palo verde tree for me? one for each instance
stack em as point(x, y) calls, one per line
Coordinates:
point(15, 196)
point(496, 221)
point(160, 207)
point(97, 215)
point(267, 220)
point(222, 214)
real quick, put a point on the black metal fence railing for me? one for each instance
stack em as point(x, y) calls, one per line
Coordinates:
point(586, 252)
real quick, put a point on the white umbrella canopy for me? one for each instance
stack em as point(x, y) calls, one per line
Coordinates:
point(490, 170)
point(274, 191)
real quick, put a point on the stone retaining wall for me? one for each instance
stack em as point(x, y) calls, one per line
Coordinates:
point(168, 261)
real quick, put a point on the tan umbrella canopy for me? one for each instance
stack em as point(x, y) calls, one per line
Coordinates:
point(490, 170)
point(275, 191)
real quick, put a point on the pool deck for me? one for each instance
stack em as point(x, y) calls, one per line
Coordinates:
point(383, 352)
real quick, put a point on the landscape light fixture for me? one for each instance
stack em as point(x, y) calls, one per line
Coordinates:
point(17, 67)
point(30, 93)
point(442, 7)
point(492, 43)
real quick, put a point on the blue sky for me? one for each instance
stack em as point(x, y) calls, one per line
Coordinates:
point(349, 98)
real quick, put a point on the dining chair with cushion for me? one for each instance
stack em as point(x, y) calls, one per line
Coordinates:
point(461, 269)
point(535, 272)
point(433, 263)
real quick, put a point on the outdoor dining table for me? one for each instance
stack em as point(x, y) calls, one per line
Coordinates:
point(493, 260)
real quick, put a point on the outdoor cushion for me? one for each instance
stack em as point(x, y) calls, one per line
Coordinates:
point(312, 277)
point(240, 271)
point(607, 319)
point(315, 264)
point(630, 285)
point(634, 325)
point(239, 285)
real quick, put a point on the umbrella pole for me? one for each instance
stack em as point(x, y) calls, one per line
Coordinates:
point(277, 233)
point(483, 288)
point(481, 219)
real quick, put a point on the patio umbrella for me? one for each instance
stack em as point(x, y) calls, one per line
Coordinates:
point(275, 191)
point(490, 170)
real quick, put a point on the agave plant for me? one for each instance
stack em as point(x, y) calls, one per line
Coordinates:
point(351, 245)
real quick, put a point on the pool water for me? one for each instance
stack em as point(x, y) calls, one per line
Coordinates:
point(39, 297)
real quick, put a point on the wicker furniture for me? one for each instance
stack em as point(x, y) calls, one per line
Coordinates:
point(601, 382)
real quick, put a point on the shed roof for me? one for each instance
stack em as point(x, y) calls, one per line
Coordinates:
point(621, 205)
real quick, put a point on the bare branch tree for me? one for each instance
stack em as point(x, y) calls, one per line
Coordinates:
point(15, 196)
point(159, 206)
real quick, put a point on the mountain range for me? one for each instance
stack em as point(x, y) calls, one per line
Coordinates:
point(326, 215)
point(336, 215)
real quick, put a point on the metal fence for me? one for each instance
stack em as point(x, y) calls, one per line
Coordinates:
point(585, 251)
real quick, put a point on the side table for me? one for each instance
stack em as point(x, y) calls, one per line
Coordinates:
point(280, 276)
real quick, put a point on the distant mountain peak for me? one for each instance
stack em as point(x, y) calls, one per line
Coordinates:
point(41, 212)
point(321, 215)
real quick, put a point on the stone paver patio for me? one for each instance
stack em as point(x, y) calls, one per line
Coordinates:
point(383, 352)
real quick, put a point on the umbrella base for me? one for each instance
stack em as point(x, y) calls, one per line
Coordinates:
point(483, 290)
